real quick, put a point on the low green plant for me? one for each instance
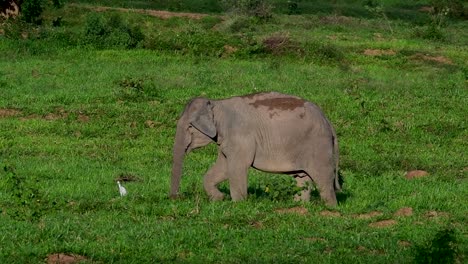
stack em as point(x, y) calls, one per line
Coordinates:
point(276, 188)
point(112, 31)
point(261, 9)
point(137, 89)
point(443, 248)
point(31, 11)
point(26, 203)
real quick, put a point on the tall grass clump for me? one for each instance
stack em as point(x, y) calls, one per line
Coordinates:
point(260, 9)
point(105, 32)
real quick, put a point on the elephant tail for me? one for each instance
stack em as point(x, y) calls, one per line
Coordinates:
point(336, 155)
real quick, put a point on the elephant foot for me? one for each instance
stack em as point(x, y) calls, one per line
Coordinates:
point(218, 196)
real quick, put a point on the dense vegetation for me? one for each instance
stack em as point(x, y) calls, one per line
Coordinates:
point(89, 94)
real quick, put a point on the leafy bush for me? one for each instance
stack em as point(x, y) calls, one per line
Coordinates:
point(276, 188)
point(281, 44)
point(24, 198)
point(441, 249)
point(192, 42)
point(261, 9)
point(31, 11)
point(105, 32)
point(324, 52)
point(137, 89)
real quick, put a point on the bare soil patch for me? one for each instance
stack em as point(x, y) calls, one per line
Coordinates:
point(435, 214)
point(256, 224)
point(383, 223)
point(150, 12)
point(405, 211)
point(368, 215)
point(416, 174)
point(336, 20)
point(404, 243)
point(83, 118)
point(9, 112)
point(62, 258)
point(425, 57)
point(330, 213)
point(128, 177)
point(378, 52)
point(294, 210)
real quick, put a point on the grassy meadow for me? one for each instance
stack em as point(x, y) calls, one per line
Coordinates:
point(92, 96)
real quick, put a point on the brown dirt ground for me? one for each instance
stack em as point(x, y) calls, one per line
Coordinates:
point(383, 223)
point(330, 213)
point(405, 211)
point(378, 52)
point(368, 215)
point(294, 210)
point(416, 174)
point(425, 57)
point(62, 258)
point(155, 13)
point(8, 112)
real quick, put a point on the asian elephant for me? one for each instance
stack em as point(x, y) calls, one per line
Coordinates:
point(272, 132)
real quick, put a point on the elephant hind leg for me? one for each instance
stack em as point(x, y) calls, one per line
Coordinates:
point(214, 176)
point(325, 181)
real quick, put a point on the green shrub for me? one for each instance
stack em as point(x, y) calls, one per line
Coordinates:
point(261, 9)
point(24, 202)
point(137, 89)
point(441, 249)
point(323, 51)
point(191, 42)
point(31, 11)
point(276, 188)
point(110, 32)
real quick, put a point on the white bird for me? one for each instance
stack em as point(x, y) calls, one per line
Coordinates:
point(122, 189)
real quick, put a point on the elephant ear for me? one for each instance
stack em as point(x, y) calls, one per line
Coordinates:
point(203, 119)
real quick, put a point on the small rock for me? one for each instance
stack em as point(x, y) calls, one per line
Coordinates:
point(416, 174)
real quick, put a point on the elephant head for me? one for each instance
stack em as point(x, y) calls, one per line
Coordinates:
point(195, 128)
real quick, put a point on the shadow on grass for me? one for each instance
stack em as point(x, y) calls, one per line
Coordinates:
point(442, 248)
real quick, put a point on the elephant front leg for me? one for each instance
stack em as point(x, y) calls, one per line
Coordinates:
point(238, 164)
point(303, 181)
point(214, 176)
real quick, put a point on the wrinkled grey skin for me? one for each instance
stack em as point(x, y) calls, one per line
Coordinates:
point(271, 132)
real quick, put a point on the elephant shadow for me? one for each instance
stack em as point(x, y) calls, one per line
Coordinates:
point(258, 192)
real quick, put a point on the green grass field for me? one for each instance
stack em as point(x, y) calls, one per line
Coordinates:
point(79, 111)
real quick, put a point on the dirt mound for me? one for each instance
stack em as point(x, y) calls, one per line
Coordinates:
point(438, 59)
point(8, 112)
point(150, 12)
point(383, 223)
point(293, 210)
point(62, 258)
point(378, 52)
point(405, 211)
point(416, 174)
point(368, 215)
point(330, 213)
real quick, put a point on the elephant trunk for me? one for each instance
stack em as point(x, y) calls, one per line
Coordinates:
point(178, 159)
